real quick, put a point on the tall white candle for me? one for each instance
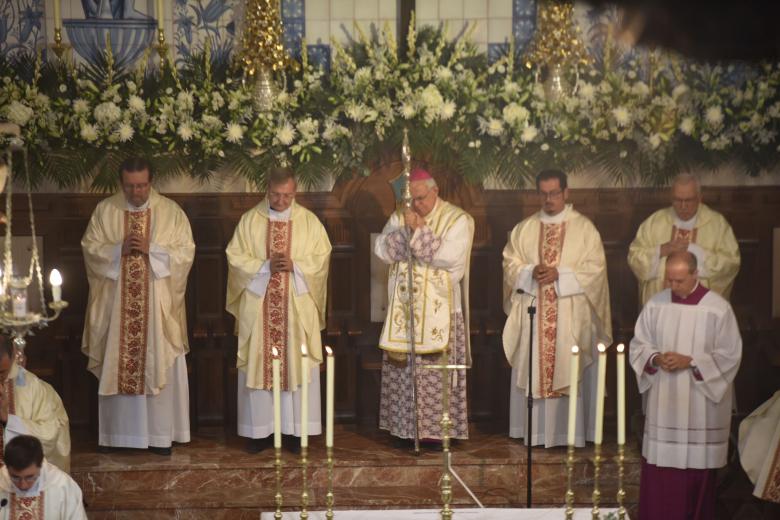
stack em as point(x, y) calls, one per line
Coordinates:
point(160, 15)
point(600, 390)
point(277, 385)
point(329, 389)
point(575, 368)
point(304, 397)
point(57, 15)
point(621, 393)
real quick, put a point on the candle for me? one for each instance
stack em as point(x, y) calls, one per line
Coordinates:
point(600, 389)
point(329, 369)
point(621, 394)
point(57, 15)
point(19, 303)
point(304, 397)
point(575, 368)
point(160, 15)
point(55, 279)
point(277, 385)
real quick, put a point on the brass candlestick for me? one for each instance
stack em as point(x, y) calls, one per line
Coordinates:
point(596, 497)
point(621, 494)
point(569, 490)
point(162, 47)
point(329, 495)
point(58, 47)
point(304, 490)
point(446, 423)
point(278, 496)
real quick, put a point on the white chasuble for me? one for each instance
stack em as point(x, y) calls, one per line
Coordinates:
point(688, 413)
point(35, 408)
point(438, 291)
point(759, 448)
point(54, 496)
point(711, 240)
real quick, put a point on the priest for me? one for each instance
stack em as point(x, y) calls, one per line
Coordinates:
point(138, 251)
point(439, 235)
point(689, 225)
point(759, 449)
point(278, 263)
point(31, 488)
point(30, 406)
point(685, 352)
point(554, 260)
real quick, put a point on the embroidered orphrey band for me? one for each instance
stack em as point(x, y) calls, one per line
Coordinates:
point(9, 392)
point(550, 246)
point(27, 508)
point(275, 318)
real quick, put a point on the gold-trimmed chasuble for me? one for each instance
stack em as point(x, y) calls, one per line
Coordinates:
point(550, 247)
point(9, 396)
point(134, 314)
point(275, 311)
point(26, 508)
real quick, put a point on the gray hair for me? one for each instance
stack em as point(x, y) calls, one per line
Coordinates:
point(687, 178)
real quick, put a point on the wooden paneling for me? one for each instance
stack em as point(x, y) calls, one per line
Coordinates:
point(350, 213)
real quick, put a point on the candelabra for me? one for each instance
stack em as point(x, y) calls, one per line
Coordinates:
point(16, 318)
point(329, 495)
point(304, 485)
point(162, 47)
point(569, 474)
point(278, 495)
point(621, 493)
point(596, 496)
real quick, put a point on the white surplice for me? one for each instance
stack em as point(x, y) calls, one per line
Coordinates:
point(61, 497)
point(256, 407)
point(687, 420)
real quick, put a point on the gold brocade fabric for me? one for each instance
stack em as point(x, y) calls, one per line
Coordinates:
point(772, 486)
point(275, 313)
point(134, 309)
point(550, 246)
point(9, 392)
point(685, 234)
point(27, 508)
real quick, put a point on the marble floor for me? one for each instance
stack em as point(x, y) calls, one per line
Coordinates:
point(213, 477)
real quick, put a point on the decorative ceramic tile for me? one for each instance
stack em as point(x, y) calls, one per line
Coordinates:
point(496, 50)
point(523, 22)
point(21, 26)
point(294, 22)
point(194, 21)
point(319, 55)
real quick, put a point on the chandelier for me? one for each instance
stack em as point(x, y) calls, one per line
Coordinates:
point(16, 317)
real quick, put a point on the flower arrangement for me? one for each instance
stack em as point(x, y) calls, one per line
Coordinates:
point(465, 115)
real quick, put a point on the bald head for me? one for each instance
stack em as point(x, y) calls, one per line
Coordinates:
point(682, 273)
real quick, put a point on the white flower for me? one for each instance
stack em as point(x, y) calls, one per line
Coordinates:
point(447, 110)
point(125, 132)
point(136, 104)
point(333, 130)
point(286, 134)
point(605, 87)
point(431, 97)
point(714, 116)
point(184, 131)
point(655, 141)
point(514, 114)
point(529, 134)
point(587, 91)
point(217, 101)
point(640, 89)
point(63, 88)
point(211, 122)
point(545, 147)
point(185, 100)
point(443, 73)
point(107, 113)
point(362, 75)
point(623, 154)
point(511, 88)
point(308, 128)
point(631, 74)
point(687, 125)
point(234, 133)
point(494, 127)
point(88, 132)
point(18, 113)
point(169, 91)
point(356, 111)
point(407, 111)
point(80, 106)
point(622, 116)
point(679, 90)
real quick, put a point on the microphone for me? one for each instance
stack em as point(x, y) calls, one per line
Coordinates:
point(3, 503)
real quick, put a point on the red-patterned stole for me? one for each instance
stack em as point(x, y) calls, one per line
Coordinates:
point(134, 308)
point(275, 318)
point(26, 508)
point(9, 392)
point(550, 246)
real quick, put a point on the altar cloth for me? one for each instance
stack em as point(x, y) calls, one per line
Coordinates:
point(433, 514)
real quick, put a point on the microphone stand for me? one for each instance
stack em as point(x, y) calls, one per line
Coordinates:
point(529, 422)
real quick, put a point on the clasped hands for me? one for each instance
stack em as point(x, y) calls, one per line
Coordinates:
point(135, 243)
point(672, 361)
point(413, 220)
point(281, 264)
point(678, 245)
point(544, 274)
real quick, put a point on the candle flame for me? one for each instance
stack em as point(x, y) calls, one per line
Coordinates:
point(304, 350)
point(55, 278)
point(575, 350)
point(275, 352)
point(328, 351)
point(620, 348)
point(602, 347)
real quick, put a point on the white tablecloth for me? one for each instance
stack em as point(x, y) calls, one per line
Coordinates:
point(433, 514)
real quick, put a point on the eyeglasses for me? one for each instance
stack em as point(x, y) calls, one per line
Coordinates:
point(550, 195)
point(282, 196)
point(30, 479)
